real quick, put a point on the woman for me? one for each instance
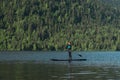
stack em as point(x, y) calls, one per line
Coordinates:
point(69, 47)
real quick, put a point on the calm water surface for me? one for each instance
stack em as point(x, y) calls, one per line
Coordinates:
point(37, 66)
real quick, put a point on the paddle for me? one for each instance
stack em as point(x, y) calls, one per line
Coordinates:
point(80, 55)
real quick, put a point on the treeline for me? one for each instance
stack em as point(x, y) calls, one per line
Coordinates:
point(49, 24)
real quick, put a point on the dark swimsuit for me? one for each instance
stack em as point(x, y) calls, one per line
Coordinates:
point(69, 51)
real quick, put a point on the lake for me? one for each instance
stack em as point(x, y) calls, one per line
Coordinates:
point(27, 65)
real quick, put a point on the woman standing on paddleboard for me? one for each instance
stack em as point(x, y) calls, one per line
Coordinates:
point(69, 47)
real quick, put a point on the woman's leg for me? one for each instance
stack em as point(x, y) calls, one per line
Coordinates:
point(70, 55)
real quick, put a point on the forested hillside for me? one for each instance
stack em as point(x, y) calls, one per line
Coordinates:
point(49, 24)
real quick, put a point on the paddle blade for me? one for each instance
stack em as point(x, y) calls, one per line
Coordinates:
point(80, 55)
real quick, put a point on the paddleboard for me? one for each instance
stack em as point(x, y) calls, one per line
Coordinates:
point(68, 59)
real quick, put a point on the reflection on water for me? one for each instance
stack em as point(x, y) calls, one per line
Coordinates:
point(24, 71)
point(91, 73)
point(41, 71)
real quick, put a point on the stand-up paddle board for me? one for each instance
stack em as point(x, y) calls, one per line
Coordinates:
point(68, 59)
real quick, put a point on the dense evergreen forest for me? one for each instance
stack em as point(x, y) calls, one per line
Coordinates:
point(49, 24)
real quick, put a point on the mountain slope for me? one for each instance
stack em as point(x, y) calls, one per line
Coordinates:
point(48, 25)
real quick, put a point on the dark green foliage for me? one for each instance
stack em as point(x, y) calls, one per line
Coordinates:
point(49, 24)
